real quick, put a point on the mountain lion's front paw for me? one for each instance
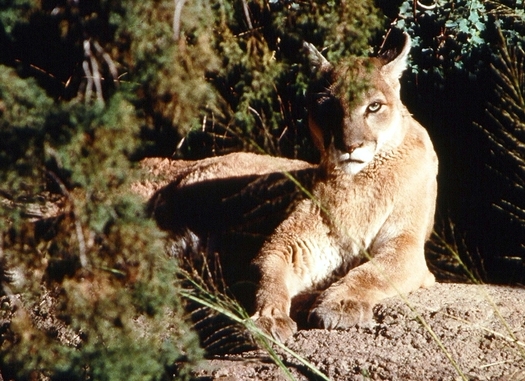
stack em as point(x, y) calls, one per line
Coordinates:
point(341, 314)
point(278, 325)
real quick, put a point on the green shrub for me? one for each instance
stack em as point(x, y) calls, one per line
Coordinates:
point(236, 78)
point(99, 266)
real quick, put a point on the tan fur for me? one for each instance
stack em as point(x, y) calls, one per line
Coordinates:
point(163, 171)
point(361, 237)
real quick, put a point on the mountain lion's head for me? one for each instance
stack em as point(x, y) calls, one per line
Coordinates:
point(351, 130)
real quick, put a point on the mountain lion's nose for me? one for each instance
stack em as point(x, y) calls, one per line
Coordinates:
point(351, 148)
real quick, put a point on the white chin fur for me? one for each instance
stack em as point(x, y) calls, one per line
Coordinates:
point(343, 157)
point(354, 162)
point(352, 167)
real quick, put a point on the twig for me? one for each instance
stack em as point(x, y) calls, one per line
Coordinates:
point(495, 363)
point(426, 7)
point(417, 4)
point(82, 247)
point(107, 58)
point(89, 78)
point(176, 18)
point(92, 72)
point(98, 79)
point(247, 14)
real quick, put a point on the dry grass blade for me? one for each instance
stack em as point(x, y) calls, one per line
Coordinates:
point(230, 309)
point(495, 333)
point(511, 336)
point(505, 128)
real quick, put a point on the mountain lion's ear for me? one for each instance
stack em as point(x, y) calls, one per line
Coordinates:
point(396, 60)
point(318, 62)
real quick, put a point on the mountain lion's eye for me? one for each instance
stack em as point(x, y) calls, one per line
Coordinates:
point(374, 107)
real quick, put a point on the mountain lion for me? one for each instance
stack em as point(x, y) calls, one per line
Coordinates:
point(359, 236)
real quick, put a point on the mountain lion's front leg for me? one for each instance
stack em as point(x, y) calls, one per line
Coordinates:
point(288, 263)
point(273, 298)
point(398, 266)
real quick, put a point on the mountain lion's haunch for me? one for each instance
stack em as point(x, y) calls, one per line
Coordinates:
point(360, 237)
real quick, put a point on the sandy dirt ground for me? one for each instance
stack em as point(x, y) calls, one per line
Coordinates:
point(446, 332)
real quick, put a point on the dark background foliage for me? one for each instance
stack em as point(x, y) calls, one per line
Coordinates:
point(466, 86)
point(87, 88)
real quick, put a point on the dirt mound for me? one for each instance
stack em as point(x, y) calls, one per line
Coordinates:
point(447, 332)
